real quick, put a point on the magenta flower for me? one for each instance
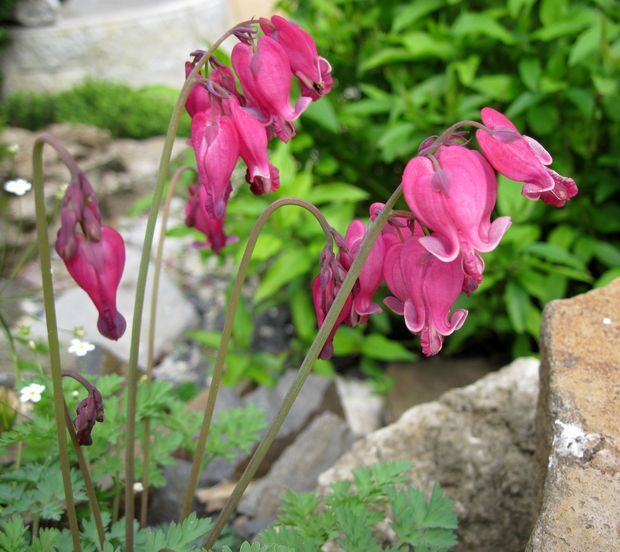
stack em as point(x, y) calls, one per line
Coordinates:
point(196, 216)
point(522, 158)
point(198, 99)
point(313, 71)
point(216, 146)
point(424, 290)
point(265, 78)
point(261, 175)
point(371, 275)
point(455, 200)
point(97, 267)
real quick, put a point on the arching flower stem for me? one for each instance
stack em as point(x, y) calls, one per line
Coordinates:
point(227, 331)
point(132, 372)
point(441, 139)
point(304, 369)
point(50, 318)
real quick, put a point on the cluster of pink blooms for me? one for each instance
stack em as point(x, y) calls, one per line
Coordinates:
point(228, 123)
point(429, 256)
point(93, 254)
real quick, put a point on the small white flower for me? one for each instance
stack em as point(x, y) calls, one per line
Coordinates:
point(607, 321)
point(138, 487)
point(75, 394)
point(31, 393)
point(80, 348)
point(18, 187)
point(32, 345)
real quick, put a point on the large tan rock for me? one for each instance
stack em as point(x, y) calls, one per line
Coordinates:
point(578, 423)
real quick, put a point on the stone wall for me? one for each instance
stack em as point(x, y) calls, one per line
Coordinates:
point(139, 42)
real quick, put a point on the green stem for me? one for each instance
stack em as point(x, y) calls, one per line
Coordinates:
point(304, 369)
point(50, 317)
point(132, 373)
point(116, 502)
point(146, 441)
point(88, 482)
point(227, 331)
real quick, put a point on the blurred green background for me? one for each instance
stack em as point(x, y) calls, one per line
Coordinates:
point(404, 71)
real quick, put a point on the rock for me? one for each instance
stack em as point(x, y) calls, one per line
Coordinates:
point(166, 503)
point(478, 442)
point(36, 13)
point(363, 409)
point(138, 43)
point(425, 380)
point(297, 469)
point(175, 315)
point(578, 452)
point(318, 395)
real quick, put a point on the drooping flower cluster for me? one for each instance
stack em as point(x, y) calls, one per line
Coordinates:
point(94, 254)
point(228, 123)
point(427, 257)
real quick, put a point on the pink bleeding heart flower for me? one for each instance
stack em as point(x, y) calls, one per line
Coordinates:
point(522, 158)
point(97, 267)
point(371, 275)
point(456, 202)
point(265, 78)
point(216, 146)
point(424, 290)
point(196, 216)
point(261, 175)
point(313, 71)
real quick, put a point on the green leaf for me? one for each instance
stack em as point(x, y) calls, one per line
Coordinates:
point(386, 56)
point(440, 513)
point(288, 265)
point(323, 114)
point(555, 254)
point(379, 347)
point(207, 338)
point(422, 45)
point(409, 14)
point(482, 23)
point(559, 29)
point(243, 325)
point(502, 87)
point(466, 69)
point(607, 277)
point(13, 534)
point(302, 310)
point(587, 44)
point(336, 192)
point(266, 247)
point(517, 305)
point(511, 202)
point(529, 71)
point(543, 118)
point(347, 341)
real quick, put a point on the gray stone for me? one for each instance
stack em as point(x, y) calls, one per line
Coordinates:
point(36, 13)
point(578, 437)
point(175, 315)
point(315, 449)
point(165, 503)
point(478, 442)
point(139, 42)
point(363, 409)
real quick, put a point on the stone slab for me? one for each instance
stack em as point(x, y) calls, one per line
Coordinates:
point(578, 416)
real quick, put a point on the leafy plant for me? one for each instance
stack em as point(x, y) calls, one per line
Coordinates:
point(405, 68)
point(348, 515)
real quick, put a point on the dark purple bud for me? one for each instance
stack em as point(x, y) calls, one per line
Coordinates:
point(89, 411)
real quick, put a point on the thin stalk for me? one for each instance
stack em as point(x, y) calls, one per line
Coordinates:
point(227, 331)
point(304, 369)
point(116, 503)
point(432, 148)
point(52, 328)
point(146, 441)
point(88, 482)
point(132, 371)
